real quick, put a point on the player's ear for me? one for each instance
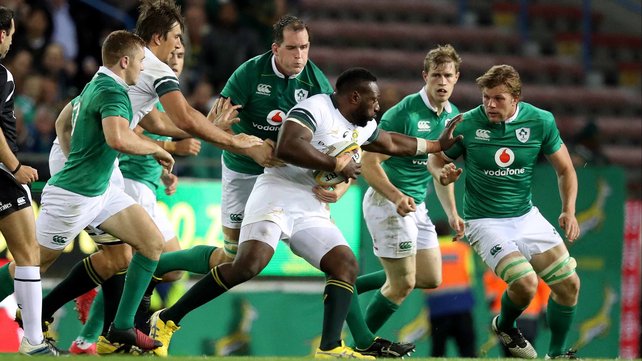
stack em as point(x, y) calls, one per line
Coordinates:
point(355, 97)
point(124, 62)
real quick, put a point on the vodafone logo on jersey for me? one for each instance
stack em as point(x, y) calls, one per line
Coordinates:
point(276, 117)
point(504, 157)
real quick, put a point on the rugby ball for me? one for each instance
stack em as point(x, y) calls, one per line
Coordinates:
point(328, 179)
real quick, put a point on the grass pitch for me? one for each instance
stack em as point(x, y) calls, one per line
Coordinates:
point(16, 357)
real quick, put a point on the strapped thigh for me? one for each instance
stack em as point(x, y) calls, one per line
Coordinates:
point(514, 269)
point(559, 270)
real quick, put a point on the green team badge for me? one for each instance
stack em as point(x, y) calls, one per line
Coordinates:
point(300, 94)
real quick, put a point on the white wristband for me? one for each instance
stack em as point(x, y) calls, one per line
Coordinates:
point(422, 145)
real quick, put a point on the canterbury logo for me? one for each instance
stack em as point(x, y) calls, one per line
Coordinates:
point(404, 246)
point(57, 239)
point(423, 126)
point(264, 89)
point(483, 134)
point(236, 217)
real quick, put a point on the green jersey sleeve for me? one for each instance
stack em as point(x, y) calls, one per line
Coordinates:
point(551, 141)
point(239, 85)
point(113, 103)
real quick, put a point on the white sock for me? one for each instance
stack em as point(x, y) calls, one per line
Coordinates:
point(28, 290)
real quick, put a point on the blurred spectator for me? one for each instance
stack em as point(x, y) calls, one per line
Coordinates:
point(43, 130)
point(28, 98)
point(227, 46)
point(196, 29)
point(64, 28)
point(20, 64)
point(528, 322)
point(261, 15)
point(202, 98)
point(37, 32)
point(587, 146)
point(55, 65)
point(451, 304)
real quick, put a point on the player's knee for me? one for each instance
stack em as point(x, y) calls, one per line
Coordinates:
point(343, 268)
point(525, 286)
point(173, 276)
point(567, 291)
point(429, 282)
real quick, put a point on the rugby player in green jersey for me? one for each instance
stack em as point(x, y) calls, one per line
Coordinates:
point(404, 237)
point(503, 138)
point(82, 195)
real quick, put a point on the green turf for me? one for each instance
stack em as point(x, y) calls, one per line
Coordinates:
point(15, 357)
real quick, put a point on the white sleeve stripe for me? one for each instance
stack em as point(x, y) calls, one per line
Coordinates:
point(164, 81)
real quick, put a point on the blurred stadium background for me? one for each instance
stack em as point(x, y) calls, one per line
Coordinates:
point(580, 59)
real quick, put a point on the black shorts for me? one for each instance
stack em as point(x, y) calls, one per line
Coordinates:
point(13, 196)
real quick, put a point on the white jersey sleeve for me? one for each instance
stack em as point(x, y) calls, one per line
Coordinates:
point(156, 80)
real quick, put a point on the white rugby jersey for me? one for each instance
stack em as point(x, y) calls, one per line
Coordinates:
point(320, 114)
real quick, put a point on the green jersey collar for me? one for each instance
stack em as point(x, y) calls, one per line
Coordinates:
point(111, 74)
point(424, 96)
point(278, 73)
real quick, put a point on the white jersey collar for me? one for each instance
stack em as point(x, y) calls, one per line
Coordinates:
point(111, 74)
point(514, 115)
point(424, 96)
point(278, 73)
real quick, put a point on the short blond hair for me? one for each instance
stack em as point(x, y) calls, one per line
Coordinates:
point(502, 75)
point(440, 55)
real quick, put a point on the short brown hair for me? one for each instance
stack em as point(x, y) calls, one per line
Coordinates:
point(440, 55)
point(120, 43)
point(501, 75)
point(287, 22)
point(157, 17)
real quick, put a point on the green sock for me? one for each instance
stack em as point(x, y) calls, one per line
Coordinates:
point(559, 319)
point(508, 313)
point(6, 282)
point(139, 274)
point(206, 289)
point(370, 281)
point(361, 334)
point(195, 260)
point(94, 325)
point(336, 303)
point(379, 311)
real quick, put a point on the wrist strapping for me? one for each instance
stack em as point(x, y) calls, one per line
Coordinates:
point(422, 146)
point(169, 146)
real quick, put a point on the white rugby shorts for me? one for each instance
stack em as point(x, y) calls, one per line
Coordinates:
point(494, 238)
point(394, 236)
point(63, 214)
point(236, 189)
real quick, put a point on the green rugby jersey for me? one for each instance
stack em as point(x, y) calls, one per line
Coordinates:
point(91, 160)
point(500, 159)
point(266, 96)
point(416, 117)
point(143, 168)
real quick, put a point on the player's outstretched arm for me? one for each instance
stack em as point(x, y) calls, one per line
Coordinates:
point(195, 123)
point(159, 123)
point(392, 143)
